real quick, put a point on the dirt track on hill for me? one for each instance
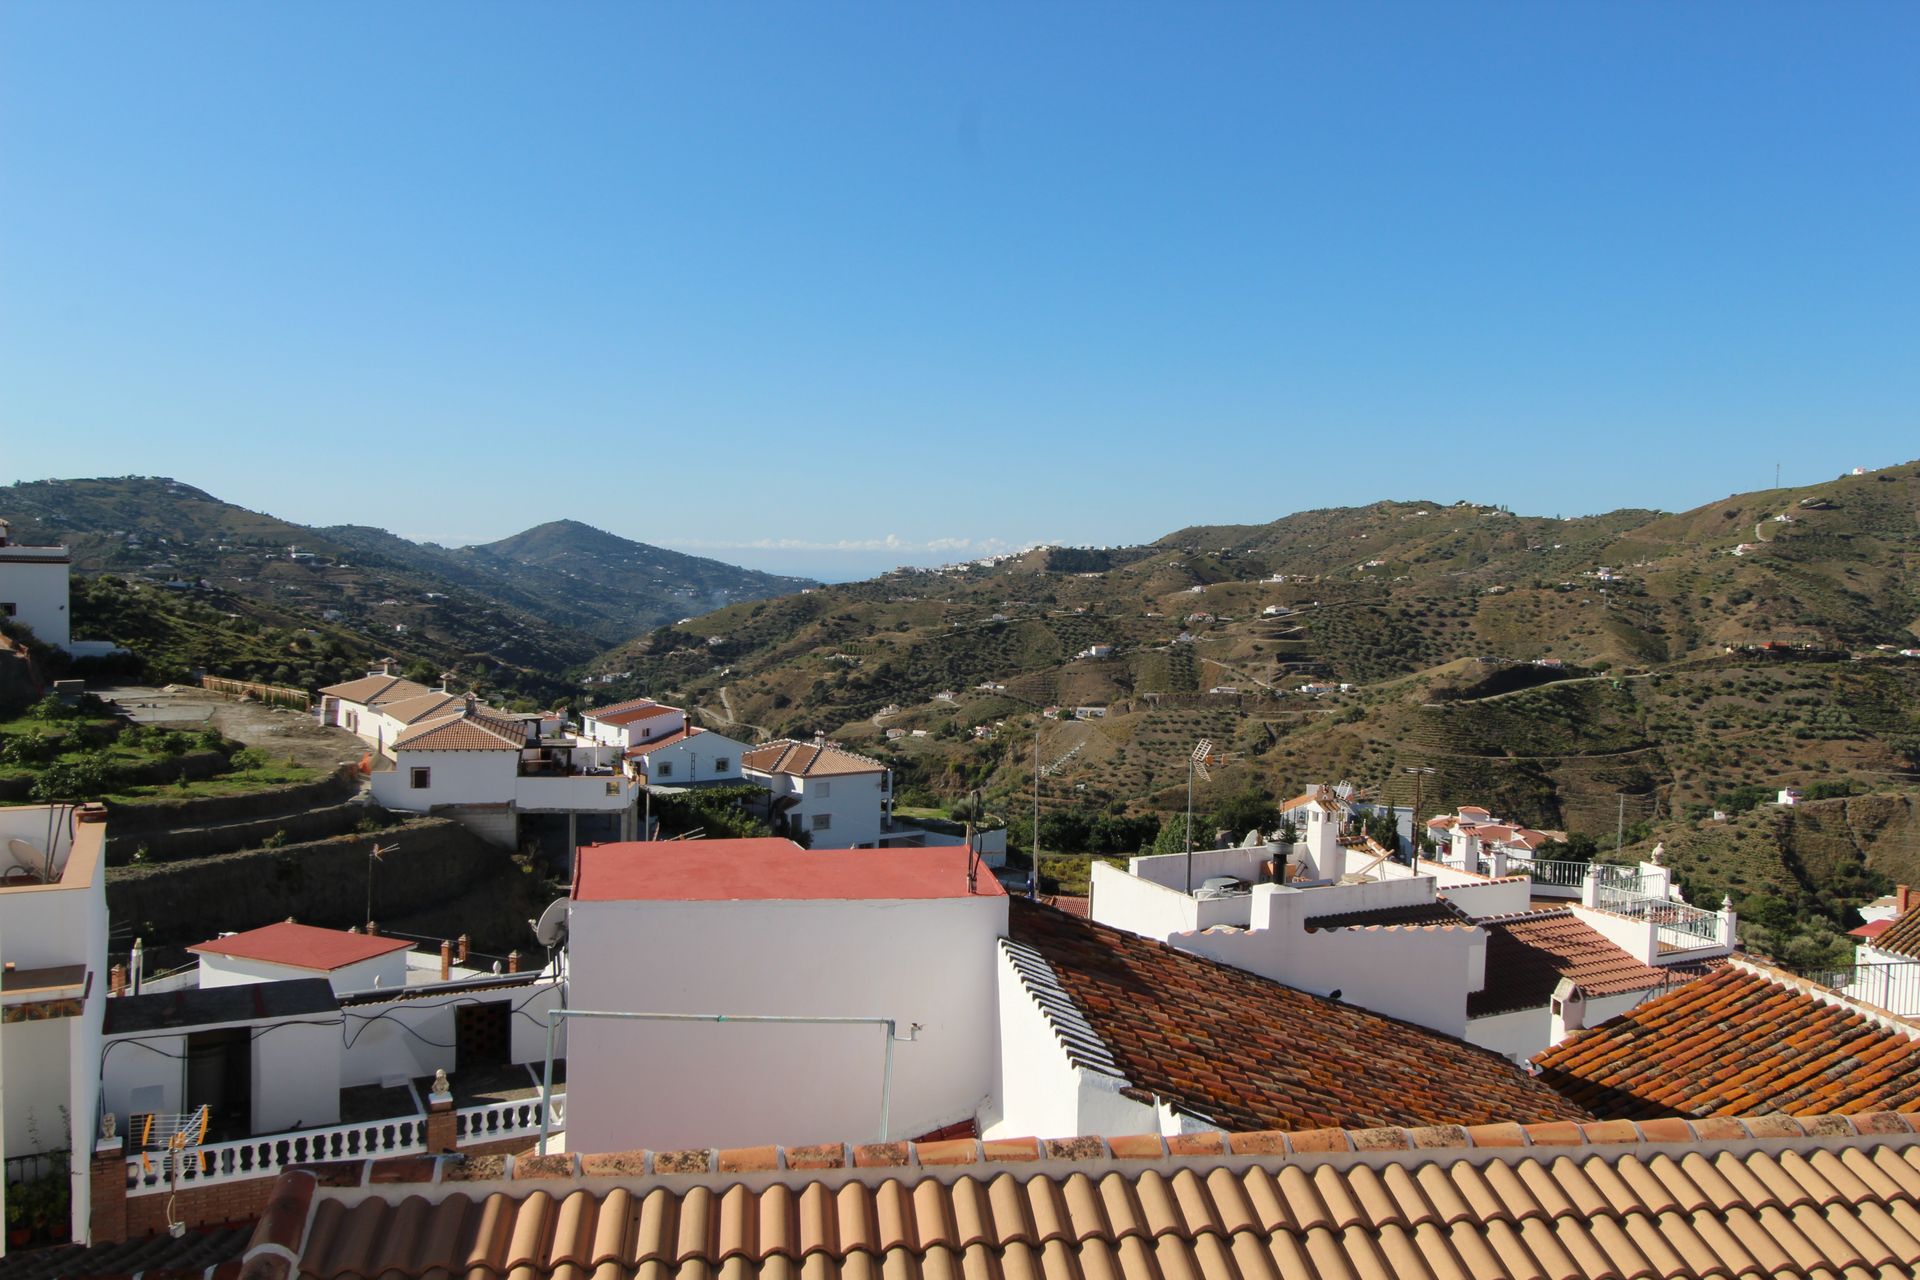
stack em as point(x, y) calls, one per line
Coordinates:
point(276, 730)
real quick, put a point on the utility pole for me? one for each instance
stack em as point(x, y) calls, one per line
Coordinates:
point(1620, 824)
point(1033, 879)
point(1419, 773)
point(1196, 762)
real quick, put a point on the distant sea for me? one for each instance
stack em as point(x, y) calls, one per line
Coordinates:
point(822, 566)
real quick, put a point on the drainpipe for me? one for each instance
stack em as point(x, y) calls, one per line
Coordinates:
point(554, 1017)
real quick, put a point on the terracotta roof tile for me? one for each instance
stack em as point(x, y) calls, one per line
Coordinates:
point(1439, 911)
point(1527, 955)
point(472, 731)
point(616, 708)
point(375, 690)
point(302, 946)
point(667, 740)
point(1902, 937)
point(1734, 1043)
point(806, 759)
point(1373, 1206)
point(1246, 1053)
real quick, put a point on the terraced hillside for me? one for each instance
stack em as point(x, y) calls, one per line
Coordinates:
point(1621, 670)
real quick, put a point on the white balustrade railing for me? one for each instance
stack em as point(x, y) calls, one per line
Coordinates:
point(265, 1157)
point(1559, 874)
point(513, 1119)
point(269, 1155)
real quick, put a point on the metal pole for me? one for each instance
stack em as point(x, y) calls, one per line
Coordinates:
point(1620, 825)
point(546, 1084)
point(1189, 826)
point(1033, 879)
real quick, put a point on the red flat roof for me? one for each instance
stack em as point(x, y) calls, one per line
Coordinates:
point(769, 869)
point(1871, 929)
point(302, 946)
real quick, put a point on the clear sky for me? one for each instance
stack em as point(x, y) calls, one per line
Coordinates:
point(827, 287)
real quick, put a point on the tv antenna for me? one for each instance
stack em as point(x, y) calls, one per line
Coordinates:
point(174, 1136)
point(1197, 762)
point(375, 854)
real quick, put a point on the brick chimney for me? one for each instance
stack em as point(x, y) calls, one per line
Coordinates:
point(1903, 898)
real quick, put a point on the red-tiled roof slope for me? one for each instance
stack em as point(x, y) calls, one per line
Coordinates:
point(1527, 955)
point(1246, 1053)
point(806, 760)
point(678, 735)
point(302, 946)
point(1902, 937)
point(470, 732)
point(1748, 1202)
point(1735, 1043)
point(373, 690)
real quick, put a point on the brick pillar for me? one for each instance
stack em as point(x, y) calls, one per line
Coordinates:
point(446, 959)
point(464, 948)
point(442, 1133)
point(513, 962)
point(107, 1184)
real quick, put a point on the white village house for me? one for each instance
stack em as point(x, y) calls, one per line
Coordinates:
point(33, 588)
point(489, 771)
point(1461, 947)
point(836, 799)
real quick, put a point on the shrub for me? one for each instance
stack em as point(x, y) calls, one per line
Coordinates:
point(76, 780)
point(249, 758)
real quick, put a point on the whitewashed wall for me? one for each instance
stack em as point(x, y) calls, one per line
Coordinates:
point(389, 971)
point(405, 1037)
point(1482, 898)
point(1154, 911)
point(666, 1086)
point(38, 591)
point(1039, 1092)
point(35, 1064)
point(458, 777)
point(1420, 974)
point(692, 760)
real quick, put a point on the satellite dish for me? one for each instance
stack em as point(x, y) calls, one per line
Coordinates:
point(551, 928)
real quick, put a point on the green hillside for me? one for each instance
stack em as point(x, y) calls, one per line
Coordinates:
point(513, 617)
point(1679, 672)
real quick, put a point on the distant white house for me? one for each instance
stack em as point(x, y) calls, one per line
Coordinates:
point(837, 799)
point(631, 723)
point(33, 588)
point(487, 769)
point(381, 707)
point(690, 756)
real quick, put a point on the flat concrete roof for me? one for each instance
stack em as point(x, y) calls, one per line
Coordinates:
point(769, 869)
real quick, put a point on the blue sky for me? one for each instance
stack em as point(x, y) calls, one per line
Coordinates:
point(827, 287)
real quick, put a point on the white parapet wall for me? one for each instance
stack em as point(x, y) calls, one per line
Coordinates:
point(1158, 911)
point(1420, 973)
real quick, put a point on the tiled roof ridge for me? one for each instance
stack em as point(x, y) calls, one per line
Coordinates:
point(1082, 1044)
point(954, 1158)
point(819, 749)
point(1542, 913)
point(613, 707)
